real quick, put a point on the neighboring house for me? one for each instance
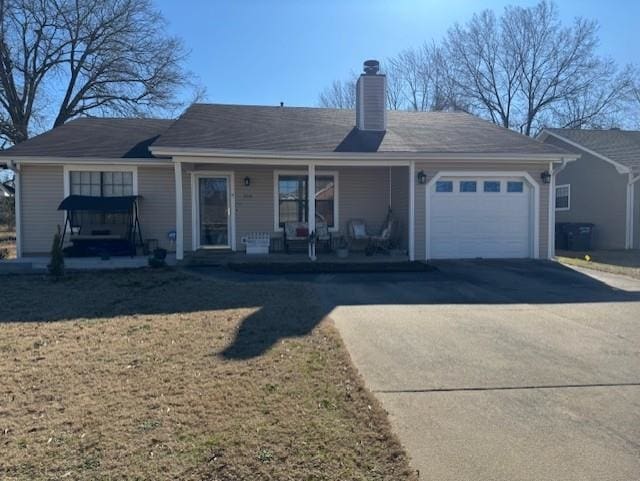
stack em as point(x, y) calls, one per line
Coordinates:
point(602, 186)
point(460, 187)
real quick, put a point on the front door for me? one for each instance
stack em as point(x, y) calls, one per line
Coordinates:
point(214, 211)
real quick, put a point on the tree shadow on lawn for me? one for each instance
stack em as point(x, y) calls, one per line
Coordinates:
point(282, 309)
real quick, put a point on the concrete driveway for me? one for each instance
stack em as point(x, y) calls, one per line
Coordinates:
point(501, 370)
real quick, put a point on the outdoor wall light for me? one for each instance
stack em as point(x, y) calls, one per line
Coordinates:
point(247, 181)
point(422, 177)
point(546, 177)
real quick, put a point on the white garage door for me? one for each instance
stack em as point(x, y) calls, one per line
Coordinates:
point(480, 217)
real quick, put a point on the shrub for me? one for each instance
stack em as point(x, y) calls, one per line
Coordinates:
point(56, 265)
point(4, 253)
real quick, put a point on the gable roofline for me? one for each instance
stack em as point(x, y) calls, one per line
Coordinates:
point(620, 168)
point(257, 155)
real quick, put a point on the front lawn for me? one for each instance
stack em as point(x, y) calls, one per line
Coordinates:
point(625, 262)
point(166, 375)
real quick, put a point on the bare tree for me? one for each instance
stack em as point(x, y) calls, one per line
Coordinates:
point(527, 69)
point(60, 59)
point(523, 69)
point(340, 95)
point(484, 68)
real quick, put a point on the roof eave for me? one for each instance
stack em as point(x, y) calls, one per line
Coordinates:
point(35, 159)
point(400, 156)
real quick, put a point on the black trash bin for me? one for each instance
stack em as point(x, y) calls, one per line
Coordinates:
point(561, 236)
point(578, 235)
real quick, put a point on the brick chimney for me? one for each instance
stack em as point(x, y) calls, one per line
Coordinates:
point(371, 93)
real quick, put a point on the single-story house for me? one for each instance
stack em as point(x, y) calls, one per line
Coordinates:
point(459, 186)
point(602, 187)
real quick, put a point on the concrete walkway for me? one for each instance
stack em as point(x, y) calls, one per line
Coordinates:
point(502, 371)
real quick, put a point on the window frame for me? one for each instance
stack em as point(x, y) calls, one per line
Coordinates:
point(68, 168)
point(555, 197)
point(305, 173)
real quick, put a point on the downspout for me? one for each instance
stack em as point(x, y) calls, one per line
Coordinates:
point(631, 210)
point(17, 199)
point(552, 207)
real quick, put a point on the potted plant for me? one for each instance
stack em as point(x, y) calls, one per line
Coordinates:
point(342, 247)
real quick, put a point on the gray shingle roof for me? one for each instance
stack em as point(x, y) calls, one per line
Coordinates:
point(302, 129)
point(622, 146)
point(94, 137)
point(279, 129)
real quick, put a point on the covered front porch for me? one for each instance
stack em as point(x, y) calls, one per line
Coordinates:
point(300, 210)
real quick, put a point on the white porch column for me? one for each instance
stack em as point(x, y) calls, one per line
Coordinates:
point(551, 236)
point(412, 211)
point(628, 243)
point(179, 211)
point(17, 199)
point(311, 207)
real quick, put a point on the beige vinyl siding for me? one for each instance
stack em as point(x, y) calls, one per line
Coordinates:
point(157, 215)
point(363, 193)
point(42, 190)
point(598, 195)
point(400, 201)
point(431, 169)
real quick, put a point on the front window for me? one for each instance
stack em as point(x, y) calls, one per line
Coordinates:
point(292, 199)
point(100, 184)
point(563, 194)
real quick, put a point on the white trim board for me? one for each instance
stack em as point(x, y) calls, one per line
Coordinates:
point(195, 207)
point(535, 247)
point(260, 157)
point(336, 196)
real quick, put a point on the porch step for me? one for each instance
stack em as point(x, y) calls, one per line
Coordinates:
point(204, 258)
point(327, 267)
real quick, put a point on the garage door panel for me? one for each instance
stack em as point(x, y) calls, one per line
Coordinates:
point(480, 224)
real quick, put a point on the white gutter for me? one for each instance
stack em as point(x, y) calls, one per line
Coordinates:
point(254, 155)
point(91, 160)
point(551, 236)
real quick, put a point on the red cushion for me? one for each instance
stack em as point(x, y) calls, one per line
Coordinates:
point(302, 232)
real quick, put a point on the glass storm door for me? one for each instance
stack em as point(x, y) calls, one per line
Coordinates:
point(214, 211)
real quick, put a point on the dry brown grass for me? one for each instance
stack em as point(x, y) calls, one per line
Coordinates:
point(625, 262)
point(8, 241)
point(165, 375)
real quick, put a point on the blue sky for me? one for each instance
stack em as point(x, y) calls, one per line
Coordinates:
point(264, 52)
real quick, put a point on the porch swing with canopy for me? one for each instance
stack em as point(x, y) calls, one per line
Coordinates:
point(99, 226)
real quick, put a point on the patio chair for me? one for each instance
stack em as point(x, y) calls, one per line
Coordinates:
point(357, 233)
point(387, 236)
point(296, 234)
